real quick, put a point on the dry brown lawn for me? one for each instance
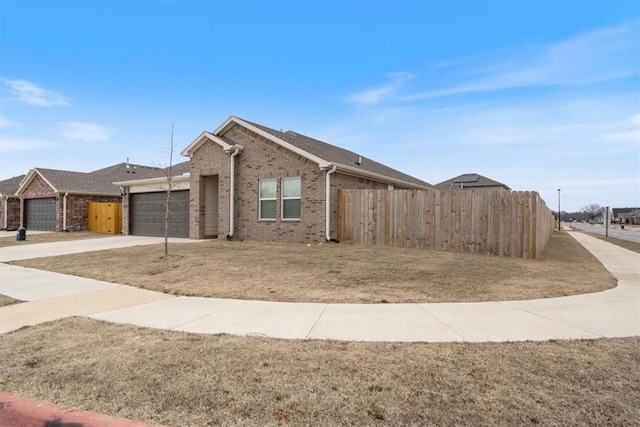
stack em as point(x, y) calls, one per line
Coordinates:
point(340, 272)
point(48, 237)
point(632, 246)
point(5, 300)
point(182, 379)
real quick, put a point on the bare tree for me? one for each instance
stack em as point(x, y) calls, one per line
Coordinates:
point(169, 176)
point(593, 210)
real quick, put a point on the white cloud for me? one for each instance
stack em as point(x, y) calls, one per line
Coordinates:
point(81, 131)
point(29, 93)
point(8, 124)
point(601, 55)
point(23, 144)
point(376, 95)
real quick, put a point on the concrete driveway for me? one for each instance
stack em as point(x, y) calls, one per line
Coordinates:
point(50, 296)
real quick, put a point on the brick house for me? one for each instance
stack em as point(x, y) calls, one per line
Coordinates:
point(471, 182)
point(57, 200)
point(10, 203)
point(248, 181)
point(144, 203)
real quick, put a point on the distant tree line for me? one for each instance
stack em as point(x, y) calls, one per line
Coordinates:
point(589, 212)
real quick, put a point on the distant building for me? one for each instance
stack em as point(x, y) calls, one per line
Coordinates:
point(627, 215)
point(471, 182)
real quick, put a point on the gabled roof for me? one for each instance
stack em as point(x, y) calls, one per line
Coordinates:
point(469, 180)
point(179, 172)
point(320, 152)
point(126, 170)
point(72, 182)
point(99, 182)
point(618, 211)
point(9, 187)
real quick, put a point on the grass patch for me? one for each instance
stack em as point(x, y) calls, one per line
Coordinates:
point(330, 273)
point(48, 238)
point(632, 246)
point(177, 378)
point(5, 300)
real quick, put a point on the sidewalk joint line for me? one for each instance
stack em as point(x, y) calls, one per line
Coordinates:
point(424, 308)
point(316, 322)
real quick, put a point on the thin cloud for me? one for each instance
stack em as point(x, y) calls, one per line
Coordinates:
point(601, 55)
point(23, 144)
point(378, 94)
point(8, 124)
point(29, 93)
point(88, 132)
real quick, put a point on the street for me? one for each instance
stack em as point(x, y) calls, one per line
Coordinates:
point(630, 234)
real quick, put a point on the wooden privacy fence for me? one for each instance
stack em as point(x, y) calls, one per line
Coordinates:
point(105, 218)
point(516, 224)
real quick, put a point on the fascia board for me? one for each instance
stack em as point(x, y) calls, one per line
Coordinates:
point(302, 153)
point(350, 170)
point(204, 136)
point(85, 193)
point(159, 180)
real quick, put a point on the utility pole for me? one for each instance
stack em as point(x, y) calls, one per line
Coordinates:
point(559, 220)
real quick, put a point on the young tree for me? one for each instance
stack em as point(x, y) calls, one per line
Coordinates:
point(169, 176)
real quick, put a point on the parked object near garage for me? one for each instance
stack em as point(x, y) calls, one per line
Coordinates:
point(22, 234)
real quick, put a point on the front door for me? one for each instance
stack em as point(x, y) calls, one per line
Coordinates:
point(211, 206)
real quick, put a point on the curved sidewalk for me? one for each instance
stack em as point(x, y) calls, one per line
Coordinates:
point(611, 313)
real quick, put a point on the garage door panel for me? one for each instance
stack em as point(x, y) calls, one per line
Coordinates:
point(146, 213)
point(40, 214)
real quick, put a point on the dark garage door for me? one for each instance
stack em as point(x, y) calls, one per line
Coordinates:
point(146, 214)
point(40, 214)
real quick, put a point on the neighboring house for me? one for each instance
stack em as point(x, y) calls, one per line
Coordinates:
point(10, 203)
point(144, 203)
point(471, 182)
point(627, 215)
point(57, 200)
point(248, 181)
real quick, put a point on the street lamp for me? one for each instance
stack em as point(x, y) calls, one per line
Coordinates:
point(559, 225)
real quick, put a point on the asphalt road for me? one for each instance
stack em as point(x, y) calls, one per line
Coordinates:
point(632, 235)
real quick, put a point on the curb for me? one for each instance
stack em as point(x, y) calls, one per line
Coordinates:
point(26, 412)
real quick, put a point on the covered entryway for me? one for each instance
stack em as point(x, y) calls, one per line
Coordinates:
point(210, 206)
point(146, 214)
point(40, 214)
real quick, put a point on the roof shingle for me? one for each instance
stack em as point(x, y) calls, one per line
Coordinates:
point(333, 154)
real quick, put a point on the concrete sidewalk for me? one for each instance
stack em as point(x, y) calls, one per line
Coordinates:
point(612, 313)
point(66, 247)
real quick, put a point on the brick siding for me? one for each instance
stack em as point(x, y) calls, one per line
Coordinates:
point(78, 210)
point(263, 159)
point(77, 204)
point(13, 212)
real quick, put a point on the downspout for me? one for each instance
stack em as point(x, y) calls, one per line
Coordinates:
point(64, 211)
point(327, 205)
point(6, 212)
point(232, 182)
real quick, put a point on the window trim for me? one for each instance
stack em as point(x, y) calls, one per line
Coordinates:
point(262, 199)
point(283, 198)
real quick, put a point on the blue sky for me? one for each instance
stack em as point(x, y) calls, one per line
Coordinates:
point(539, 95)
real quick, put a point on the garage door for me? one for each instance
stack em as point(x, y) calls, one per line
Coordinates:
point(40, 214)
point(146, 214)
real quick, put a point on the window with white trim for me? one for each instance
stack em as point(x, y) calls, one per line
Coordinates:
point(268, 198)
point(291, 190)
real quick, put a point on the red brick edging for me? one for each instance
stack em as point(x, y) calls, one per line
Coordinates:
point(18, 411)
